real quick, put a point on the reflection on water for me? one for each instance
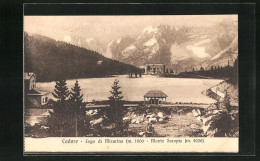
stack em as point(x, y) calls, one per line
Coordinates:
point(133, 89)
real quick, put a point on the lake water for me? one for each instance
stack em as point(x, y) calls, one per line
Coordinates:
point(133, 89)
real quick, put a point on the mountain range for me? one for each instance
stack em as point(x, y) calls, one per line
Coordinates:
point(51, 60)
point(180, 48)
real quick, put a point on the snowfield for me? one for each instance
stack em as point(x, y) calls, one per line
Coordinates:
point(203, 42)
point(151, 42)
point(198, 51)
point(128, 51)
point(150, 29)
point(119, 40)
point(152, 47)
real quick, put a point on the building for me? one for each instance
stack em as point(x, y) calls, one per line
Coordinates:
point(29, 81)
point(154, 68)
point(155, 97)
point(34, 98)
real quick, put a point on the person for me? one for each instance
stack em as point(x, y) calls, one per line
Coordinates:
point(149, 130)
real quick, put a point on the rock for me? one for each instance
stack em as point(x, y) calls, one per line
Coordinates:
point(146, 122)
point(209, 112)
point(148, 116)
point(127, 119)
point(204, 120)
point(198, 111)
point(198, 118)
point(44, 127)
point(194, 126)
point(152, 120)
point(194, 113)
point(160, 114)
point(133, 121)
point(179, 111)
point(153, 115)
point(97, 121)
point(161, 119)
point(141, 133)
point(141, 119)
point(205, 128)
point(215, 111)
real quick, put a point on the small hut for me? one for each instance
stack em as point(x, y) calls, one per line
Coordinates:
point(155, 97)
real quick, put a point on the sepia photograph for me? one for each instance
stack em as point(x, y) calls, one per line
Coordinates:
point(131, 76)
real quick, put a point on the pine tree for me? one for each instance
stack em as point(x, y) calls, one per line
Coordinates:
point(60, 115)
point(224, 123)
point(61, 91)
point(226, 101)
point(116, 112)
point(77, 109)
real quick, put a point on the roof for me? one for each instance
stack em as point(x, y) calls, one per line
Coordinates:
point(154, 64)
point(28, 75)
point(155, 93)
point(37, 92)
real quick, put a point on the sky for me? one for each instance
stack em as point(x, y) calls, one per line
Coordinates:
point(108, 28)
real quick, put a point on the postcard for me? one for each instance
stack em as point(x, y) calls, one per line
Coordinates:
point(131, 84)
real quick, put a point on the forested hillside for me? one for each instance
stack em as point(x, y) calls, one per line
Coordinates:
point(51, 60)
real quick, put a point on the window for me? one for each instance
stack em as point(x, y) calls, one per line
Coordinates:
point(46, 99)
point(42, 100)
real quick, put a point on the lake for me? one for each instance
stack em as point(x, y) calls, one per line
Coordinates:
point(133, 89)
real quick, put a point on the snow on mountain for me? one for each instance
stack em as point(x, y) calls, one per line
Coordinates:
point(204, 36)
point(116, 47)
point(119, 40)
point(151, 47)
point(150, 29)
point(176, 47)
point(128, 51)
point(151, 42)
point(193, 36)
point(108, 53)
point(90, 41)
point(219, 54)
point(227, 55)
point(232, 47)
point(178, 52)
point(202, 42)
point(198, 51)
point(131, 47)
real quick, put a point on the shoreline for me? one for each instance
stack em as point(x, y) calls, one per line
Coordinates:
point(158, 75)
point(191, 76)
